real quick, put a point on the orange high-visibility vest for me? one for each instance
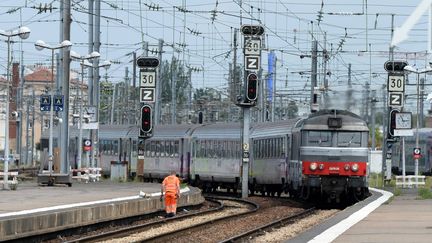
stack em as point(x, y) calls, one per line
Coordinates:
point(171, 183)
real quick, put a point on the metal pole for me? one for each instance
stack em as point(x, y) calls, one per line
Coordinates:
point(112, 105)
point(421, 107)
point(50, 146)
point(64, 142)
point(403, 161)
point(6, 146)
point(314, 71)
point(27, 150)
point(273, 101)
point(80, 116)
point(173, 90)
point(373, 101)
point(385, 132)
point(245, 161)
point(158, 84)
point(417, 128)
point(33, 130)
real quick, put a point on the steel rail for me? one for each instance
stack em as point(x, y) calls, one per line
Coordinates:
point(170, 233)
point(283, 221)
point(133, 229)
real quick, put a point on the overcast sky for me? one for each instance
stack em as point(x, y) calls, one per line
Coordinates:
point(207, 28)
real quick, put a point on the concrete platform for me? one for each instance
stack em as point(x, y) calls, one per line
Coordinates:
point(402, 219)
point(33, 209)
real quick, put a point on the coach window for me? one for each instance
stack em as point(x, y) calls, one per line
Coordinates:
point(348, 139)
point(158, 148)
point(206, 148)
point(199, 148)
point(232, 149)
point(172, 148)
point(134, 148)
point(147, 149)
point(153, 149)
point(162, 149)
point(116, 147)
point(255, 148)
point(273, 147)
point(167, 148)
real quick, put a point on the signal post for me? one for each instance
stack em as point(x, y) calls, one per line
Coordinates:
point(147, 96)
point(400, 123)
point(252, 59)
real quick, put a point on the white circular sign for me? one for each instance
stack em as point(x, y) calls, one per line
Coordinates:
point(417, 151)
point(87, 143)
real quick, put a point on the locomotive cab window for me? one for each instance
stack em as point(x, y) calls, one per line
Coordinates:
point(348, 139)
point(319, 138)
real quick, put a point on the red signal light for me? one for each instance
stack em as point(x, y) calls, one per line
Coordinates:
point(252, 85)
point(146, 118)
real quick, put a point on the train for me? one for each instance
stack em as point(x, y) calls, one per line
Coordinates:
point(425, 145)
point(322, 157)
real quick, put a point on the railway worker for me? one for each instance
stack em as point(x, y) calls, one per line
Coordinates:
point(171, 189)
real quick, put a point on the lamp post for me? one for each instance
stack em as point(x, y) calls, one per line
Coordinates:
point(418, 72)
point(40, 45)
point(94, 135)
point(23, 33)
point(83, 63)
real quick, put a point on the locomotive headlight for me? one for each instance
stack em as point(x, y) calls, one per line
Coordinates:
point(355, 167)
point(347, 167)
point(321, 166)
point(313, 166)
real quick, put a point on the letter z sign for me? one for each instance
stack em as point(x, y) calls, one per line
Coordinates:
point(147, 95)
point(396, 98)
point(252, 63)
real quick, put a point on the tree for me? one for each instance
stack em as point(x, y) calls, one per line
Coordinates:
point(182, 82)
point(292, 109)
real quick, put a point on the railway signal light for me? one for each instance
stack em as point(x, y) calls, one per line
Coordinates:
point(252, 29)
point(147, 62)
point(146, 119)
point(252, 85)
point(392, 123)
point(395, 66)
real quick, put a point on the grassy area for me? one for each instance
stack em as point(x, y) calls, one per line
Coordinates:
point(375, 180)
point(425, 192)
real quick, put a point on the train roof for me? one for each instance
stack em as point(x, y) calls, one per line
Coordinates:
point(218, 131)
point(273, 128)
point(169, 131)
point(319, 121)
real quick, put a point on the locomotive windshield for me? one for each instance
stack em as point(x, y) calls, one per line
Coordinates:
point(319, 138)
point(348, 139)
point(333, 139)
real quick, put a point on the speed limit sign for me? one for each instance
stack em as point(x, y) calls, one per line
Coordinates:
point(148, 79)
point(252, 47)
point(396, 83)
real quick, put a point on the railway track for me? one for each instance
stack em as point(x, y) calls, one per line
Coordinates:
point(223, 202)
point(276, 223)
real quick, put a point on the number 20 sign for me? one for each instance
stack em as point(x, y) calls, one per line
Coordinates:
point(396, 83)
